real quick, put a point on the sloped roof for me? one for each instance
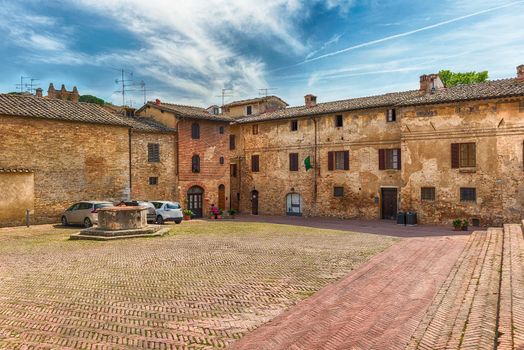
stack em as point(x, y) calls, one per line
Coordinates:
point(183, 111)
point(486, 90)
point(54, 109)
point(385, 100)
point(254, 100)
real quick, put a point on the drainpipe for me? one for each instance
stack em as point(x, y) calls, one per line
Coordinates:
point(315, 159)
point(130, 165)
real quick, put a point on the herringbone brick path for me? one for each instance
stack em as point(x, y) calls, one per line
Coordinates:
point(376, 307)
point(202, 287)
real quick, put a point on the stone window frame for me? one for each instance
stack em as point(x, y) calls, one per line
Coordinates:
point(153, 152)
point(221, 160)
point(153, 180)
point(338, 160)
point(249, 110)
point(195, 164)
point(255, 163)
point(468, 194)
point(389, 159)
point(338, 191)
point(428, 194)
point(293, 162)
point(463, 155)
point(391, 115)
point(339, 121)
point(294, 125)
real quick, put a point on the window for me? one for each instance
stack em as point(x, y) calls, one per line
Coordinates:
point(233, 170)
point(463, 155)
point(427, 193)
point(339, 121)
point(338, 160)
point(195, 131)
point(216, 111)
point(294, 125)
point(293, 162)
point(391, 115)
point(153, 152)
point(255, 129)
point(249, 110)
point(468, 194)
point(232, 143)
point(195, 164)
point(221, 130)
point(153, 181)
point(338, 191)
point(221, 160)
point(521, 106)
point(389, 159)
point(255, 163)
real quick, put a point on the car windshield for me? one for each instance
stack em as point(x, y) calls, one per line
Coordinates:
point(173, 206)
point(103, 205)
point(158, 205)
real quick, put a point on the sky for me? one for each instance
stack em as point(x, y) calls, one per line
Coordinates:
point(187, 51)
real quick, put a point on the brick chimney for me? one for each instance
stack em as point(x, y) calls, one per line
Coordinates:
point(39, 92)
point(520, 72)
point(51, 92)
point(157, 102)
point(430, 83)
point(75, 96)
point(310, 101)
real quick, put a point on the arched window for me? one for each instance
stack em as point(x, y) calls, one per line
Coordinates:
point(195, 163)
point(195, 131)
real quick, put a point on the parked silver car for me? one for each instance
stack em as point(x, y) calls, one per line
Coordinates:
point(151, 211)
point(83, 213)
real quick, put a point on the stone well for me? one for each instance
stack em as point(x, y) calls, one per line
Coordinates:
point(122, 218)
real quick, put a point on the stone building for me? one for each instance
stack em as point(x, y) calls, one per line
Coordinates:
point(445, 153)
point(201, 152)
point(56, 152)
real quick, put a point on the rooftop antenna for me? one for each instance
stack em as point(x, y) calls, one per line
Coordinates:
point(25, 85)
point(225, 93)
point(125, 83)
point(265, 91)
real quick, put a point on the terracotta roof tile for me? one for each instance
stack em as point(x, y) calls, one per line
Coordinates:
point(253, 100)
point(187, 111)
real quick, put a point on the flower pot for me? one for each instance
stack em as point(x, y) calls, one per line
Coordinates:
point(187, 217)
point(464, 228)
point(219, 217)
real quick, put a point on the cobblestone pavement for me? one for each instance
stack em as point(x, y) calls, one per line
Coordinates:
point(202, 287)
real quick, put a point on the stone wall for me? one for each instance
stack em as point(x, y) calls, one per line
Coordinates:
point(17, 192)
point(142, 169)
point(70, 161)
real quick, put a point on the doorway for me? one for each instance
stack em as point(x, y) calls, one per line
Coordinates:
point(254, 202)
point(222, 197)
point(294, 204)
point(389, 203)
point(195, 196)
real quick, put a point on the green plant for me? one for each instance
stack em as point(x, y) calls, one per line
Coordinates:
point(457, 223)
point(232, 212)
point(450, 78)
point(91, 99)
point(188, 212)
point(465, 223)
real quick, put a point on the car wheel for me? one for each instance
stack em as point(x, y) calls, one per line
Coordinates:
point(160, 220)
point(178, 221)
point(87, 223)
point(64, 221)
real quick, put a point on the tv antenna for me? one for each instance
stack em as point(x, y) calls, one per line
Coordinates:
point(126, 80)
point(225, 93)
point(24, 86)
point(265, 91)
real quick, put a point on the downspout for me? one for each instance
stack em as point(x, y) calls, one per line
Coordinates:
point(177, 160)
point(130, 132)
point(315, 158)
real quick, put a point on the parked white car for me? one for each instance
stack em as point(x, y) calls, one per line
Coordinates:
point(168, 211)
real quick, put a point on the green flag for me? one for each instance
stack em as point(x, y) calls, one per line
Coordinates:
point(307, 163)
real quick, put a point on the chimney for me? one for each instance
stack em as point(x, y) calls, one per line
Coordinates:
point(39, 92)
point(157, 102)
point(310, 100)
point(51, 92)
point(430, 83)
point(75, 96)
point(520, 72)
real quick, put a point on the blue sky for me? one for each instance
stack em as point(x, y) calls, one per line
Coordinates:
point(187, 51)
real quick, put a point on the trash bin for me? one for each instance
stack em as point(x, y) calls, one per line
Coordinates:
point(411, 218)
point(401, 218)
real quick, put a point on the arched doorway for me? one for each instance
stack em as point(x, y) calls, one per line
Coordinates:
point(254, 202)
point(222, 197)
point(294, 204)
point(195, 198)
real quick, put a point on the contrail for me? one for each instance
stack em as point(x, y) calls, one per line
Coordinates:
point(440, 24)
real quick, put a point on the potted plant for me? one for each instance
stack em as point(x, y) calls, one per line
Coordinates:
point(457, 224)
point(220, 213)
point(187, 214)
point(232, 213)
point(465, 225)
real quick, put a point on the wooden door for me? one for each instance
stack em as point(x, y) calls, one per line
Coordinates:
point(195, 197)
point(389, 203)
point(222, 197)
point(254, 202)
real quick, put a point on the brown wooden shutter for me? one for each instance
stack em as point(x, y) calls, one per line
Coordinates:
point(381, 159)
point(399, 159)
point(455, 155)
point(346, 160)
point(331, 160)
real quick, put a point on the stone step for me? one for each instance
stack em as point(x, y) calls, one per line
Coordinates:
point(463, 315)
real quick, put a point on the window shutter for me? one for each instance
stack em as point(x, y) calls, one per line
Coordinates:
point(455, 155)
point(399, 159)
point(331, 160)
point(381, 159)
point(346, 160)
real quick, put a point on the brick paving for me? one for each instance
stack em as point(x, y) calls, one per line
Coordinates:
point(377, 306)
point(203, 287)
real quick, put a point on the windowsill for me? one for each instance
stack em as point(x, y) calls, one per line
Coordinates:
point(468, 170)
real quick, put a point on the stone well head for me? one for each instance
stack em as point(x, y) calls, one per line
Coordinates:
point(122, 218)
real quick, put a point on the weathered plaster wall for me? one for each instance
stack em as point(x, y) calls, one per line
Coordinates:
point(16, 196)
